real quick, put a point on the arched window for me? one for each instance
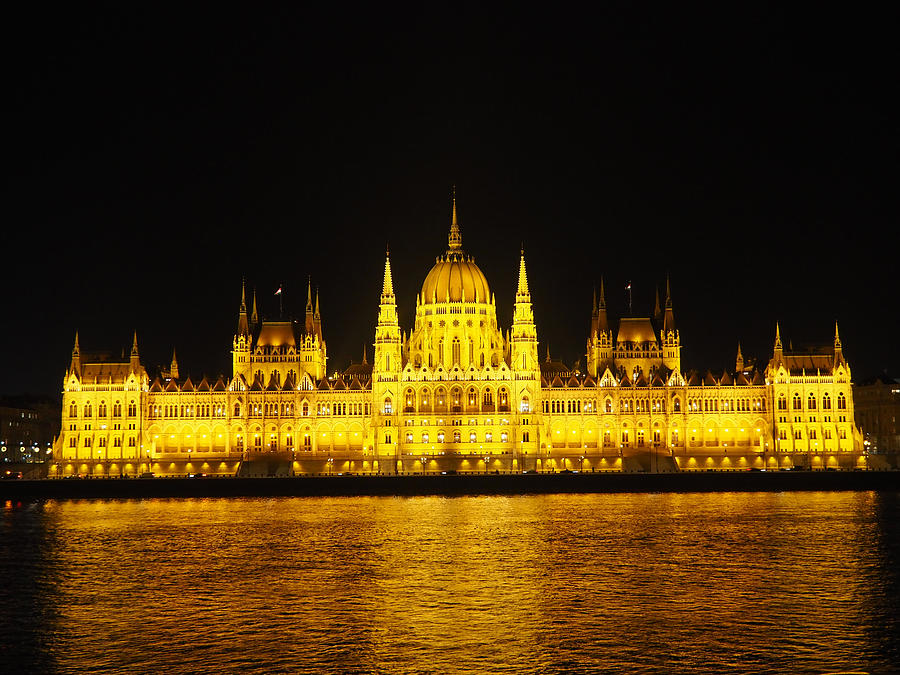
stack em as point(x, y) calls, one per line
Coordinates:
point(305, 409)
point(525, 406)
point(425, 437)
point(472, 352)
point(237, 409)
point(798, 404)
point(504, 437)
point(841, 402)
point(132, 409)
point(455, 396)
point(676, 405)
point(88, 412)
point(101, 409)
point(456, 437)
point(388, 408)
point(811, 403)
point(117, 409)
point(455, 359)
point(472, 437)
point(826, 402)
point(782, 402)
point(73, 410)
point(503, 400)
point(409, 437)
point(609, 408)
point(440, 437)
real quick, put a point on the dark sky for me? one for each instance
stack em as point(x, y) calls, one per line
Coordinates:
point(155, 158)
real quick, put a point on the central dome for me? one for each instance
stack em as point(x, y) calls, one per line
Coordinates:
point(457, 277)
point(454, 275)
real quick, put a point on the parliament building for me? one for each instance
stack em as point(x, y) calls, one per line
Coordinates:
point(461, 392)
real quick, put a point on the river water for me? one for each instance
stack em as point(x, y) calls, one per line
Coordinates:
point(646, 583)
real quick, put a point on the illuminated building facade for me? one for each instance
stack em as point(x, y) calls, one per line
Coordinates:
point(459, 394)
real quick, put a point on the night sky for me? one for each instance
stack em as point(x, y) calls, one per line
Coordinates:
point(154, 159)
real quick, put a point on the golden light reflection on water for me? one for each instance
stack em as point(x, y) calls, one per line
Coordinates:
point(555, 583)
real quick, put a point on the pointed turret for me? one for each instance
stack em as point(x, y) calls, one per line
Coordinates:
point(669, 321)
point(173, 368)
point(739, 360)
point(387, 287)
point(75, 366)
point(243, 322)
point(308, 326)
point(602, 321)
point(317, 319)
point(838, 349)
point(522, 290)
point(365, 355)
point(135, 360)
point(254, 316)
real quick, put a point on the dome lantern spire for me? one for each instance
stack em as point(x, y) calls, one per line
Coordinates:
point(455, 238)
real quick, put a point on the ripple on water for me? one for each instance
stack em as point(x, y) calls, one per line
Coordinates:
point(799, 582)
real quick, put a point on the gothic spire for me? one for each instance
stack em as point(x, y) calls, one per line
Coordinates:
point(387, 288)
point(522, 294)
point(602, 322)
point(243, 325)
point(669, 320)
point(75, 366)
point(838, 351)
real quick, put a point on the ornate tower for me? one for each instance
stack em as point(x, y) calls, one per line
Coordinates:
point(600, 343)
point(313, 351)
point(671, 340)
point(240, 346)
point(388, 343)
point(523, 338)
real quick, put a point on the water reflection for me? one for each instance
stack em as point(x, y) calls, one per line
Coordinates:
point(800, 582)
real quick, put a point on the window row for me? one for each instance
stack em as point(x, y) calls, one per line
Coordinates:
point(102, 409)
point(812, 402)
